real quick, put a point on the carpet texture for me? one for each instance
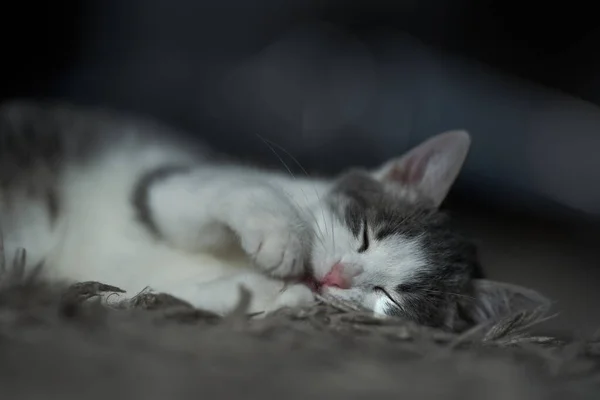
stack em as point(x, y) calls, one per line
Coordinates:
point(60, 342)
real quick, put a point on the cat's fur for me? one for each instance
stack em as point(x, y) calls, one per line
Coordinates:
point(95, 196)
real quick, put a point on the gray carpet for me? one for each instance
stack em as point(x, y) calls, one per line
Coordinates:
point(61, 342)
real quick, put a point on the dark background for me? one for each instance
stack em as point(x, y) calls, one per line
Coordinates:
point(166, 59)
point(550, 43)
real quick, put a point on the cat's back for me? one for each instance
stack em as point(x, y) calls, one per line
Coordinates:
point(67, 173)
point(42, 139)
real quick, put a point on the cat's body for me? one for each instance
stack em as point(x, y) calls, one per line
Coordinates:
point(132, 204)
point(76, 196)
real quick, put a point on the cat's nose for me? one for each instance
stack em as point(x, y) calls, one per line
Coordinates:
point(337, 277)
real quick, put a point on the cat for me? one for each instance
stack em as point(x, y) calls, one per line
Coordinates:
point(93, 195)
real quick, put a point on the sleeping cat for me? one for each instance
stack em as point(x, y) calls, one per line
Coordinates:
point(98, 197)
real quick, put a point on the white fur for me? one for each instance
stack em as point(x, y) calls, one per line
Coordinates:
point(224, 227)
point(97, 237)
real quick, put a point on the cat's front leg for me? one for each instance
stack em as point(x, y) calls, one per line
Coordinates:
point(270, 229)
point(223, 295)
point(200, 208)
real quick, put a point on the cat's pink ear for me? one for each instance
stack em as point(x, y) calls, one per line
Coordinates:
point(428, 170)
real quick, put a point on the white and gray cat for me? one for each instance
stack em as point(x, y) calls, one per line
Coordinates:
point(95, 196)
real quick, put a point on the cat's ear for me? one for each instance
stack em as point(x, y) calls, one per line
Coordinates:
point(491, 300)
point(430, 169)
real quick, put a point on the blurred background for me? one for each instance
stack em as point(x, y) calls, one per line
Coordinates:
point(338, 83)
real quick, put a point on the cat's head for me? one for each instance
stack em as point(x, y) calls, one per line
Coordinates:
point(381, 242)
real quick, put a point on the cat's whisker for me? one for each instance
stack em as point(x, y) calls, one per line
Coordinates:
point(318, 232)
point(315, 220)
point(271, 146)
point(333, 230)
point(324, 219)
point(295, 160)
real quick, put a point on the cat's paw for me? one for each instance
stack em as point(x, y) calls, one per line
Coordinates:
point(277, 250)
point(276, 240)
point(293, 296)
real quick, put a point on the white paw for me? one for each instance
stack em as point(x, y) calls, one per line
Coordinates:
point(276, 241)
point(294, 296)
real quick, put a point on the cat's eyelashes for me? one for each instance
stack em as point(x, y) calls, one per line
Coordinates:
point(365, 238)
point(386, 294)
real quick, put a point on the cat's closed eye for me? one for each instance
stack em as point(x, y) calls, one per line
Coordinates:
point(386, 294)
point(365, 238)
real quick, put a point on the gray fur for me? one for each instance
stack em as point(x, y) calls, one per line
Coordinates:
point(432, 293)
point(37, 139)
point(139, 197)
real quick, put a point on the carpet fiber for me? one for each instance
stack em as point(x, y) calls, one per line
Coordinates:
point(61, 342)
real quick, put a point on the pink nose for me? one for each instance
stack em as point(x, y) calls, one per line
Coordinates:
point(335, 277)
